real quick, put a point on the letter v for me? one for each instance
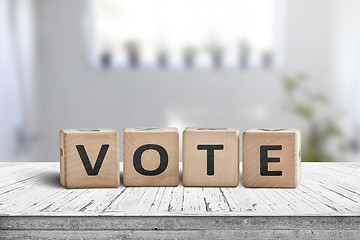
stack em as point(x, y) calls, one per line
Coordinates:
point(85, 159)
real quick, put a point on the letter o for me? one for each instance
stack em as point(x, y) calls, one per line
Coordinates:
point(163, 159)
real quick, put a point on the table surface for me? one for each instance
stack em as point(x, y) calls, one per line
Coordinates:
point(326, 189)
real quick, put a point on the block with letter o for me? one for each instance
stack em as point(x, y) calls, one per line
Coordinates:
point(151, 157)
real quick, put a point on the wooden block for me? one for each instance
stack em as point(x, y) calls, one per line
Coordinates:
point(89, 158)
point(271, 158)
point(151, 157)
point(211, 157)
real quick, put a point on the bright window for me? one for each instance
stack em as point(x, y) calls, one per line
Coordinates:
point(185, 33)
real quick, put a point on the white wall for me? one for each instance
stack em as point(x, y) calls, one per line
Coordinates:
point(16, 78)
point(345, 66)
point(346, 55)
point(307, 41)
point(73, 95)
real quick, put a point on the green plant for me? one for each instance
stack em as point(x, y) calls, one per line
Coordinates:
point(189, 50)
point(305, 104)
point(213, 47)
point(244, 47)
point(132, 46)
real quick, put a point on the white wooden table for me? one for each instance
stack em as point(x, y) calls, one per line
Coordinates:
point(326, 205)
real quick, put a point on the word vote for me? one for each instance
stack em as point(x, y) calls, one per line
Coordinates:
point(210, 157)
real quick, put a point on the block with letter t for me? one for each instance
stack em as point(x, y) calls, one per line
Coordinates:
point(210, 157)
point(271, 158)
point(89, 158)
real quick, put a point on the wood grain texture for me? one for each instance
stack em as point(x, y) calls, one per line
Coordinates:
point(225, 161)
point(161, 223)
point(316, 234)
point(33, 205)
point(288, 155)
point(33, 189)
point(180, 227)
point(72, 170)
point(168, 140)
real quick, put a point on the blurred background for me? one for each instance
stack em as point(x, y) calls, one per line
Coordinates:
point(153, 63)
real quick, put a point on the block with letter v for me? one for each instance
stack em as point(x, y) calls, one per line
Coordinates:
point(89, 158)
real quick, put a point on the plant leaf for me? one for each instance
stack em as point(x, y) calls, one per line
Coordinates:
point(303, 110)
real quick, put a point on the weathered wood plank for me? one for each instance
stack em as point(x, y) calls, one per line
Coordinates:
point(326, 189)
point(162, 223)
point(205, 234)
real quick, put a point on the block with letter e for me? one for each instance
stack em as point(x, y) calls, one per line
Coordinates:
point(271, 158)
point(151, 157)
point(210, 157)
point(89, 158)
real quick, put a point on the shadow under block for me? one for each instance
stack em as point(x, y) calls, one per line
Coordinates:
point(210, 157)
point(151, 157)
point(89, 158)
point(271, 158)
